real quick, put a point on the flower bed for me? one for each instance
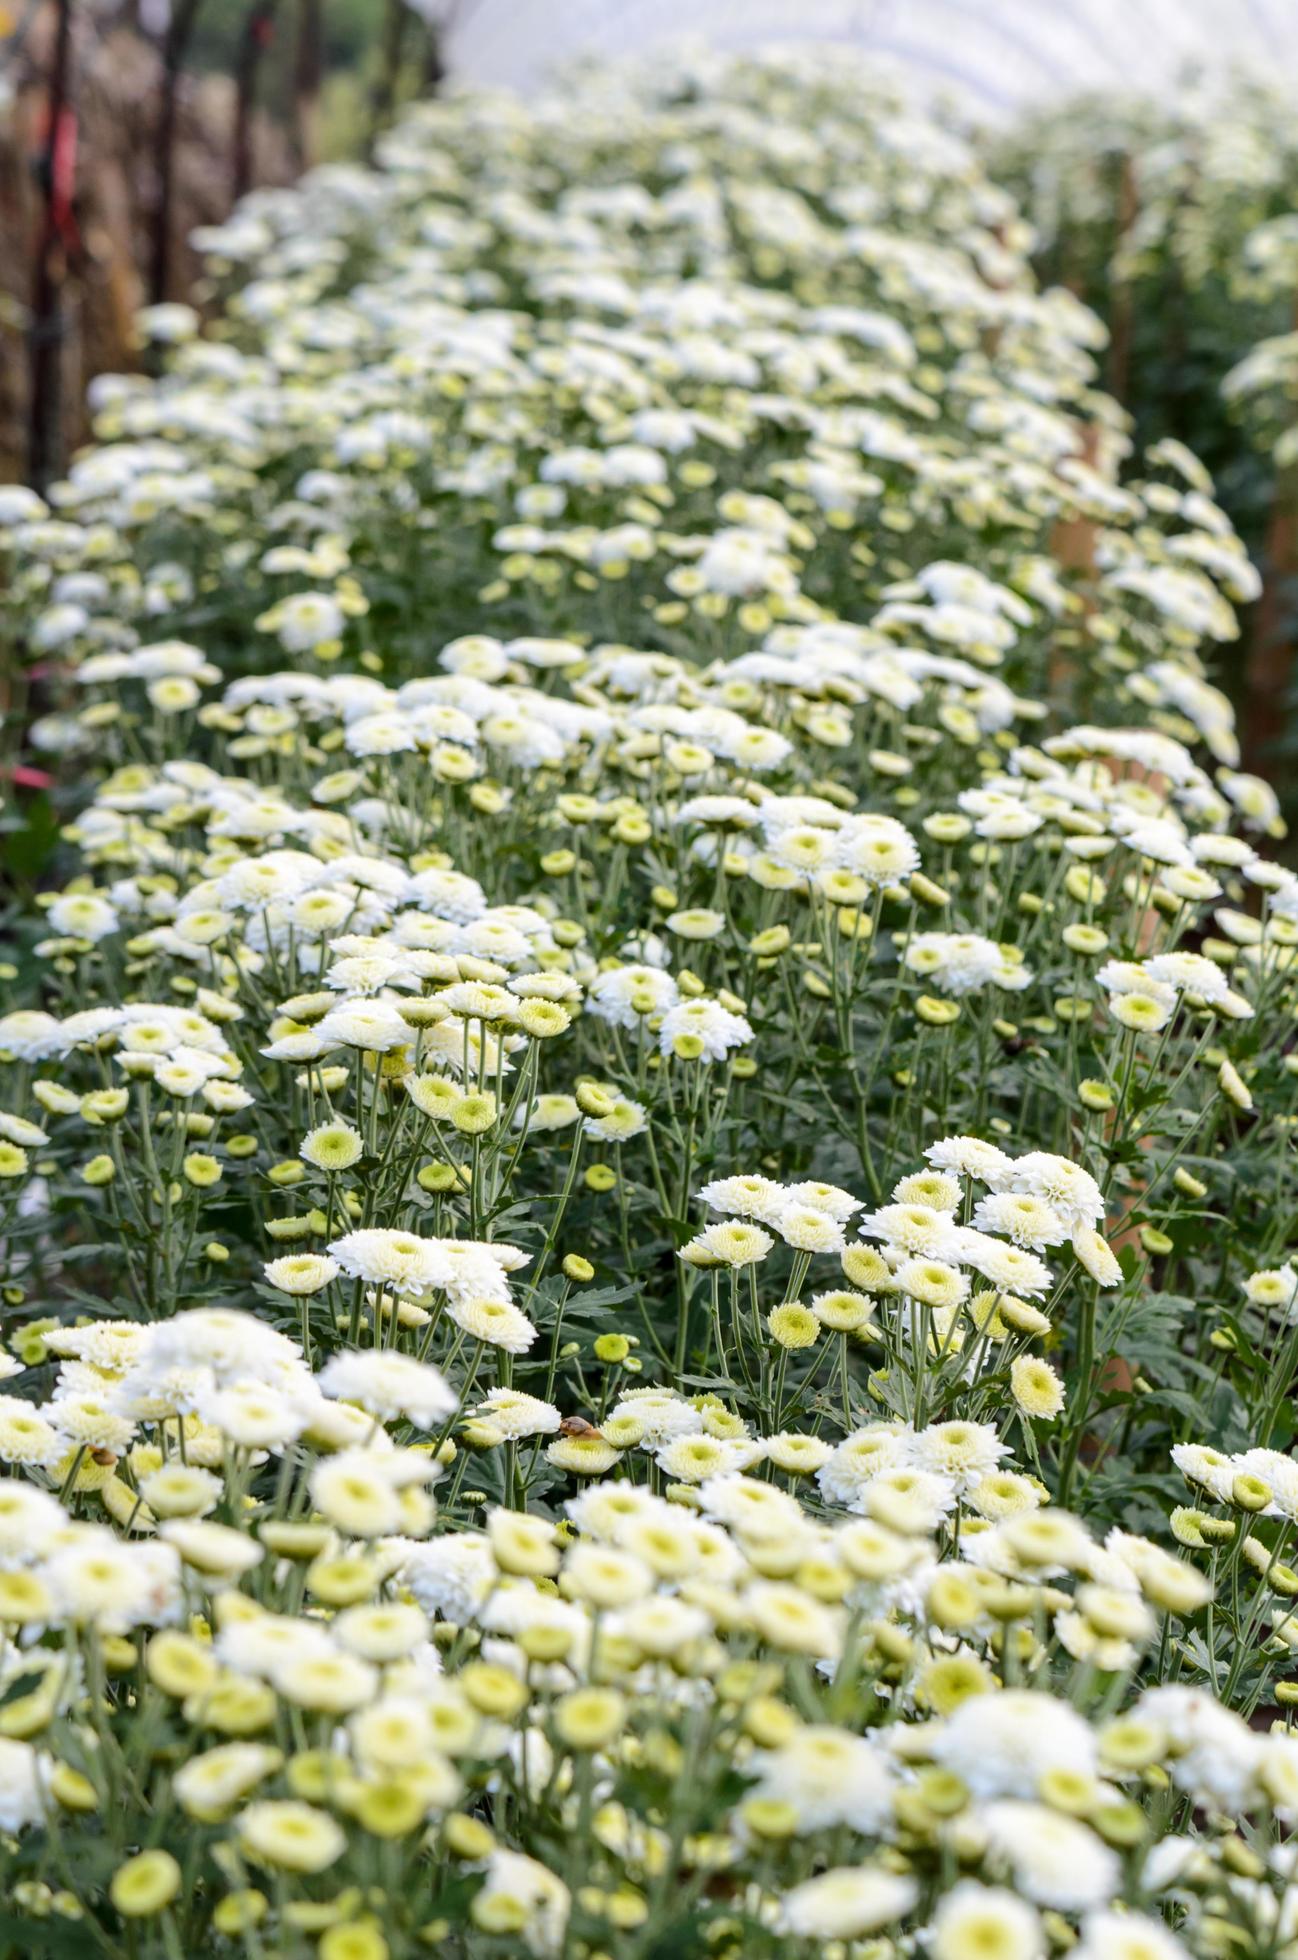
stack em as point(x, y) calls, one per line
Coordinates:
point(649, 1165)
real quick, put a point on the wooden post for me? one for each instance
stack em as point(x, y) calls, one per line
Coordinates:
point(1268, 666)
point(384, 94)
point(258, 27)
point(434, 58)
point(184, 13)
point(1120, 330)
point(308, 70)
point(45, 368)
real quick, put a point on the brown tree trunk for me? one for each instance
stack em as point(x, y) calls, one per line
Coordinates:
point(179, 28)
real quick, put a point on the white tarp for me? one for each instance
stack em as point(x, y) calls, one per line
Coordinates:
point(999, 55)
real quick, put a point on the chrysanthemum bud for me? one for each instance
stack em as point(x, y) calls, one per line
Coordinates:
point(1097, 1096)
point(1233, 1086)
point(201, 1170)
point(145, 1884)
point(1250, 1493)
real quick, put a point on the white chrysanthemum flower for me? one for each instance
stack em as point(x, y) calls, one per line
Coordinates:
point(451, 1575)
point(860, 1457)
point(400, 1260)
point(224, 1343)
point(24, 1781)
point(30, 1035)
point(390, 1385)
point(87, 1423)
point(934, 1282)
point(973, 1920)
point(707, 1022)
point(1189, 973)
point(301, 1272)
point(965, 1452)
point(1217, 1753)
point(964, 962)
point(808, 1228)
point(27, 1436)
point(746, 1196)
point(847, 1903)
point(626, 1119)
point(98, 1581)
point(1056, 1860)
point(829, 1778)
point(1280, 1475)
point(497, 1322)
point(1002, 1745)
point(1070, 1190)
point(1094, 1252)
point(512, 1414)
point(692, 1459)
point(909, 1499)
point(355, 1492)
point(971, 1157)
point(755, 1510)
point(1004, 1494)
point(878, 849)
point(29, 1518)
point(254, 1416)
point(932, 1188)
point(1127, 1935)
point(823, 1197)
point(533, 1890)
point(1142, 1011)
point(734, 1242)
point(915, 1228)
point(369, 1024)
point(1010, 1268)
point(82, 915)
point(660, 1414)
point(1207, 1468)
point(1019, 1215)
point(1274, 1286)
point(211, 1784)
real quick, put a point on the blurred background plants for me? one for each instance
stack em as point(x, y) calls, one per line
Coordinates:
point(124, 124)
point(1176, 221)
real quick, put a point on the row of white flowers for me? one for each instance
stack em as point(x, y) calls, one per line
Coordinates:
point(647, 1139)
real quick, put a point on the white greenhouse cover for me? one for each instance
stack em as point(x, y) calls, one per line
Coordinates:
point(997, 55)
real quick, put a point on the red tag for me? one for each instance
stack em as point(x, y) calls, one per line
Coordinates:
point(63, 177)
